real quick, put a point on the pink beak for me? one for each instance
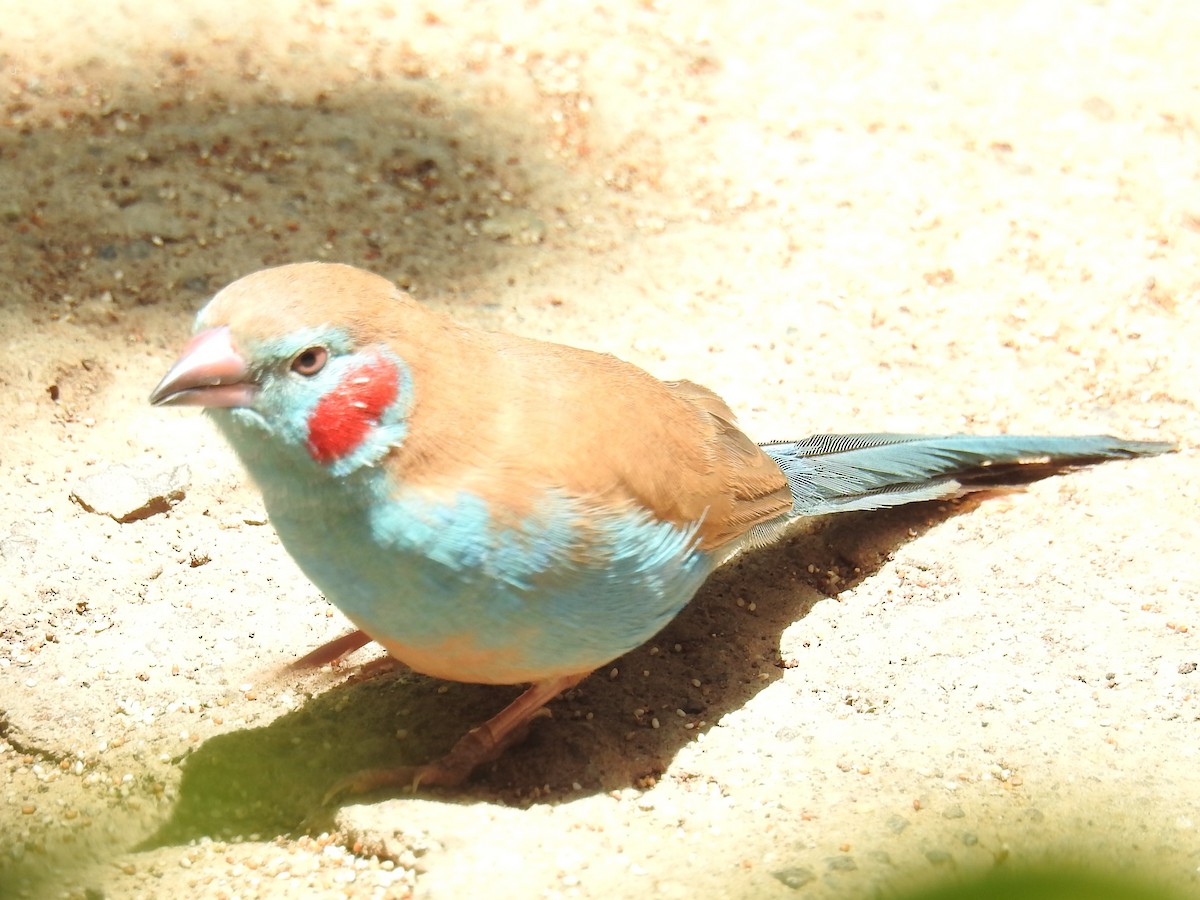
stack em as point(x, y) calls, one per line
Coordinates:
point(209, 372)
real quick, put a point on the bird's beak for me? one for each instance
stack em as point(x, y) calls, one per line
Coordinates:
point(209, 372)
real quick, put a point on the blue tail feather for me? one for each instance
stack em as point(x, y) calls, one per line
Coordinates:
point(842, 472)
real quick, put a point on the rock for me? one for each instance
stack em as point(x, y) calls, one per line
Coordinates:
point(939, 857)
point(127, 493)
point(794, 877)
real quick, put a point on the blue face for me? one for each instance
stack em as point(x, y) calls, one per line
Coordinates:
point(301, 415)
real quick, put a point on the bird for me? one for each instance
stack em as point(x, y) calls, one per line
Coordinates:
point(497, 509)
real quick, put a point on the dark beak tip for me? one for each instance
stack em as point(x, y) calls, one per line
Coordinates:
point(160, 396)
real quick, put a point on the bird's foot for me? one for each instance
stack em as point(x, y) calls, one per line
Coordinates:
point(442, 773)
point(332, 651)
point(477, 746)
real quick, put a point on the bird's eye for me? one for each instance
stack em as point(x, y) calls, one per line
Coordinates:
point(310, 361)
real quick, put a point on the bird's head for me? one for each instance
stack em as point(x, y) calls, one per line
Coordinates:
point(293, 360)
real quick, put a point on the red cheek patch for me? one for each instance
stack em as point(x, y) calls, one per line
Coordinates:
point(343, 417)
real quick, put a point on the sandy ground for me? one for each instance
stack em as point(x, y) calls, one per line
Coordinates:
point(864, 216)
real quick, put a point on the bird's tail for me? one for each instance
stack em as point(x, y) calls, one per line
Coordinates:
point(843, 472)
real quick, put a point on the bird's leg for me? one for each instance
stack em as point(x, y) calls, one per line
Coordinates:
point(331, 651)
point(479, 745)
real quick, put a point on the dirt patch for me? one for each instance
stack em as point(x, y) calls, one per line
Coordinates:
point(973, 218)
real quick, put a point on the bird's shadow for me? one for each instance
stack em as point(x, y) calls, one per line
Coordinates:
point(601, 736)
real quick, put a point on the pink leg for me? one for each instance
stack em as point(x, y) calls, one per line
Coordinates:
point(477, 746)
point(332, 651)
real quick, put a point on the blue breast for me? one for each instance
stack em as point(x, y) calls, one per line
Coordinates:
point(565, 588)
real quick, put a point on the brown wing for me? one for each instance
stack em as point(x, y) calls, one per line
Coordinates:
point(509, 418)
point(755, 488)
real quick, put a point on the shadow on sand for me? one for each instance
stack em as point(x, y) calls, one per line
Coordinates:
point(269, 781)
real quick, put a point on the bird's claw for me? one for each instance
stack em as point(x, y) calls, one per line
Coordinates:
point(331, 652)
point(407, 778)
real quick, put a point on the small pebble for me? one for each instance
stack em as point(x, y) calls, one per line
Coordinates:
point(794, 877)
point(897, 824)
